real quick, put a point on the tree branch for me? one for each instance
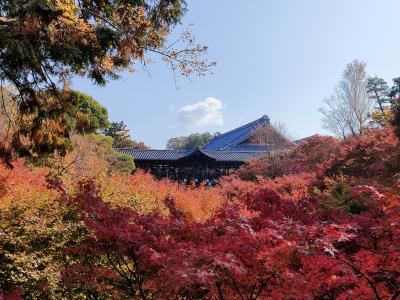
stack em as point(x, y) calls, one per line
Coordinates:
point(358, 271)
point(234, 283)
point(220, 295)
point(396, 294)
point(168, 57)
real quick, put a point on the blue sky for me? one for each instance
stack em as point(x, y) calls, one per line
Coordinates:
point(275, 57)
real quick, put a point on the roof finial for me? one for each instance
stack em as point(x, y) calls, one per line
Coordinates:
point(266, 118)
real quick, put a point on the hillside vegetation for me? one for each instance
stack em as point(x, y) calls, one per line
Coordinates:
point(322, 219)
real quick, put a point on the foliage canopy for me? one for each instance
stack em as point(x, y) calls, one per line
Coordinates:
point(121, 136)
point(195, 140)
point(44, 43)
point(326, 224)
point(89, 116)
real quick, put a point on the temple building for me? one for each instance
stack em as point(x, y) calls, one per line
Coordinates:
point(221, 156)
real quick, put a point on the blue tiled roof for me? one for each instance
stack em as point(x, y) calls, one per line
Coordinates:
point(248, 147)
point(172, 155)
point(299, 141)
point(165, 155)
point(236, 136)
point(232, 156)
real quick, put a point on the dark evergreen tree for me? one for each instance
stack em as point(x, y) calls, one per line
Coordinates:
point(395, 99)
point(195, 140)
point(378, 90)
point(121, 136)
point(43, 44)
point(89, 116)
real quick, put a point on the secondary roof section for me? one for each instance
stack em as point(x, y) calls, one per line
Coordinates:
point(174, 155)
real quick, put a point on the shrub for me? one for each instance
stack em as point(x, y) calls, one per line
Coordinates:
point(339, 195)
point(375, 156)
point(232, 256)
point(144, 193)
point(328, 228)
point(313, 155)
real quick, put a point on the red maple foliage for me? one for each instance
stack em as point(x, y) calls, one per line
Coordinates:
point(319, 222)
point(285, 250)
point(15, 294)
point(312, 155)
point(375, 155)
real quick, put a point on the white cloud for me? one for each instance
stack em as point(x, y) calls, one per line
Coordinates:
point(202, 113)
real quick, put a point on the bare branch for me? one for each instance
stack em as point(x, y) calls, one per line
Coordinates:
point(348, 110)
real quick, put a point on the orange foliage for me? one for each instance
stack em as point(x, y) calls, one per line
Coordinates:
point(332, 215)
point(293, 187)
point(234, 188)
point(144, 193)
point(23, 186)
point(141, 191)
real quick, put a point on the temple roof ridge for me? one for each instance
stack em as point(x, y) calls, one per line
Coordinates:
point(237, 135)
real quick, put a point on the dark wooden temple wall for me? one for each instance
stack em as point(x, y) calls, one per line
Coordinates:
point(189, 170)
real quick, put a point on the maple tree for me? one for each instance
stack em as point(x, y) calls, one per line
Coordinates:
point(279, 243)
point(326, 227)
point(319, 221)
point(35, 230)
point(312, 155)
point(143, 193)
